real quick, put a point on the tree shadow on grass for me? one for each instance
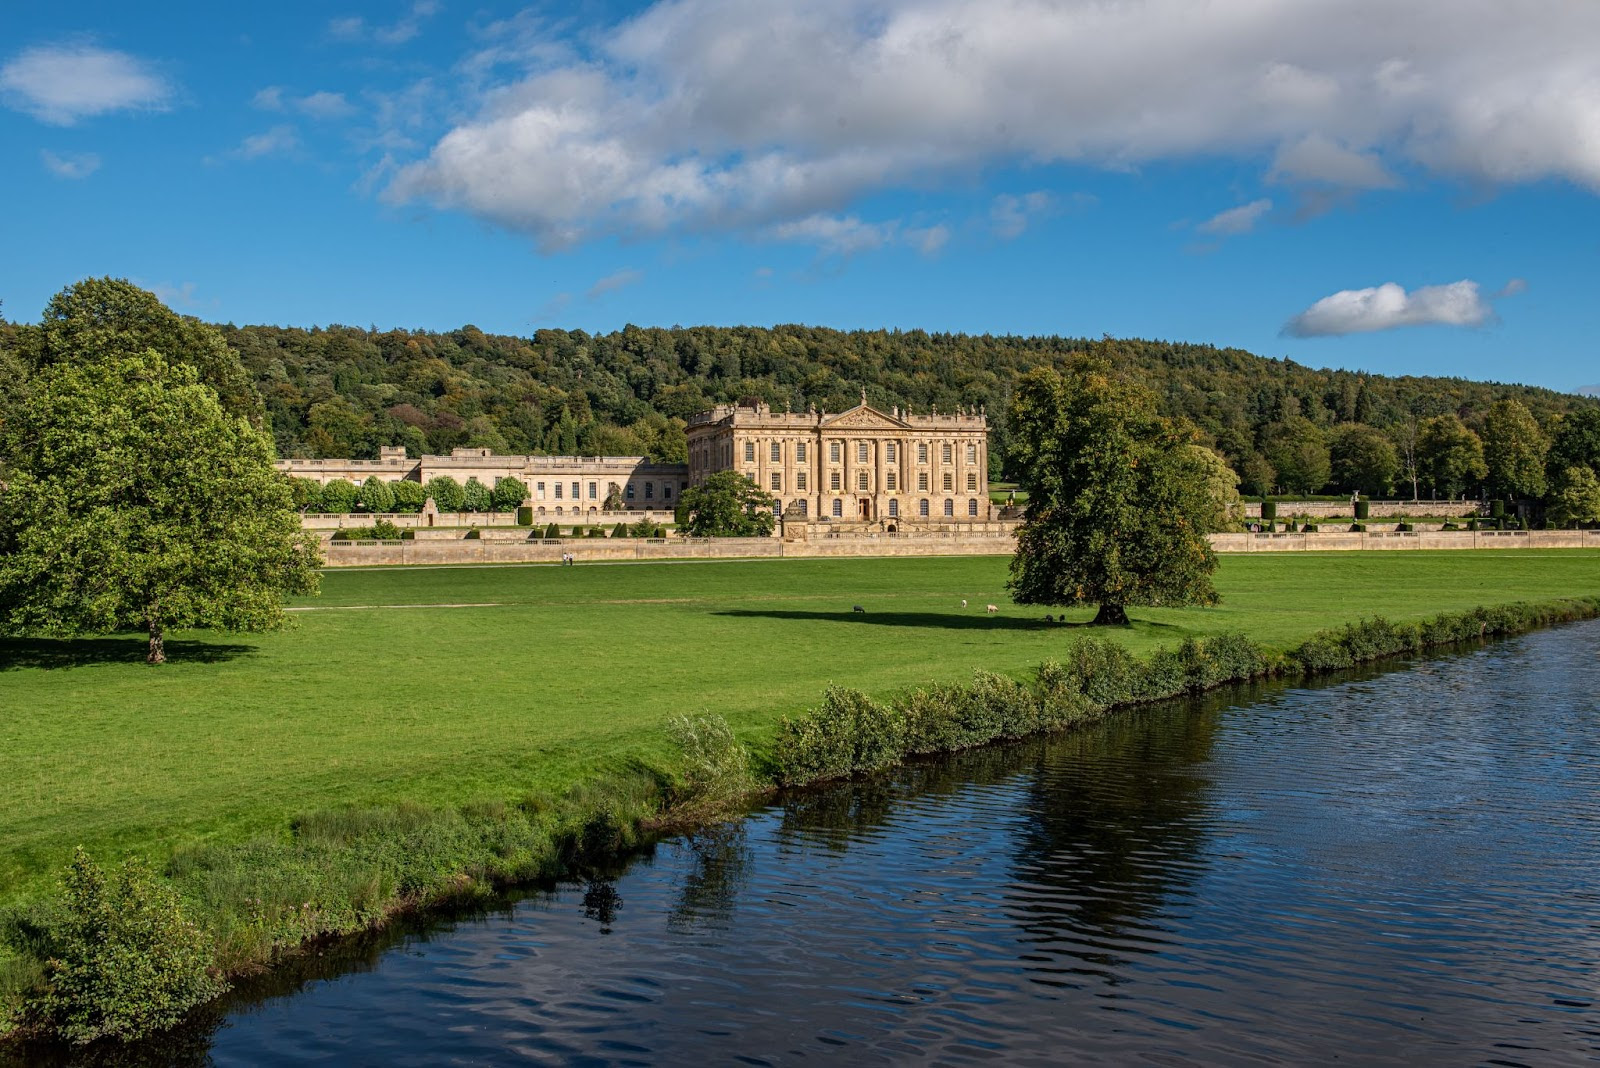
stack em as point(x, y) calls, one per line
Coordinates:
point(53, 653)
point(976, 621)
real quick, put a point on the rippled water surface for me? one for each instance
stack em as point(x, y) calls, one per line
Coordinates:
point(1401, 869)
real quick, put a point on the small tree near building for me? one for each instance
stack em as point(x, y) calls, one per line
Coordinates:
point(726, 505)
point(508, 494)
point(446, 493)
point(409, 496)
point(1117, 502)
point(1449, 455)
point(376, 495)
point(1514, 450)
point(339, 495)
point(134, 501)
point(475, 496)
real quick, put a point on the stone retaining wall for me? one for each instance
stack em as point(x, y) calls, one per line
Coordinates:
point(1329, 509)
point(495, 548)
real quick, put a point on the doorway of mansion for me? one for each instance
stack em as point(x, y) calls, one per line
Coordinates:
point(866, 509)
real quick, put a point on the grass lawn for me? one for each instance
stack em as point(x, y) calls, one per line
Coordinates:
point(553, 673)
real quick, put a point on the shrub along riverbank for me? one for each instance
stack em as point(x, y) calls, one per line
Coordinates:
point(490, 705)
point(121, 953)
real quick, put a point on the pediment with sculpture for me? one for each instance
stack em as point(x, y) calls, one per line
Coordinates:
point(864, 417)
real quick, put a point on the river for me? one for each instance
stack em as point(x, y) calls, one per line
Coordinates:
point(1401, 867)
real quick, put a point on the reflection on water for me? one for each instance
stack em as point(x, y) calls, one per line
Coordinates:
point(1396, 868)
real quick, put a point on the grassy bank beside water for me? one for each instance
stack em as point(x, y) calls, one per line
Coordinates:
point(503, 684)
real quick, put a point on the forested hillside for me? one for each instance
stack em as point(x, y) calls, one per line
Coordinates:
point(344, 391)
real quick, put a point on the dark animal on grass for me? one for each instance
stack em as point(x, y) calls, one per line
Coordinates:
point(858, 608)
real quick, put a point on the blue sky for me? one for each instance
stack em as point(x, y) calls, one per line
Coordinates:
point(1397, 188)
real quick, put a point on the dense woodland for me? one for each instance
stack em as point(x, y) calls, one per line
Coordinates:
point(1284, 427)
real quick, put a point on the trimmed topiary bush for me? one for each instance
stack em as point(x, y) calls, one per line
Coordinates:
point(475, 496)
point(620, 530)
point(1363, 508)
point(446, 493)
point(552, 531)
point(409, 496)
point(508, 494)
point(524, 515)
point(1269, 510)
point(339, 496)
point(376, 496)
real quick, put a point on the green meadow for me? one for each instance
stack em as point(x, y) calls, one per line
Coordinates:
point(458, 684)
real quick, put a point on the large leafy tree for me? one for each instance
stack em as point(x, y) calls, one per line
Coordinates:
point(725, 505)
point(1297, 448)
point(1117, 503)
point(1449, 455)
point(101, 318)
point(1514, 450)
point(1576, 500)
point(1575, 443)
point(135, 501)
point(1363, 460)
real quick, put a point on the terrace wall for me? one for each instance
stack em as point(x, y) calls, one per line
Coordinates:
point(517, 546)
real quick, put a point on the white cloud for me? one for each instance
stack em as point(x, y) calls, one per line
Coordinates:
point(749, 114)
point(1240, 220)
point(280, 140)
point(1010, 215)
point(73, 165)
point(836, 235)
point(318, 105)
point(60, 84)
point(613, 282)
point(928, 240)
point(1356, 311)
point(1512, 288)
point(355, 28)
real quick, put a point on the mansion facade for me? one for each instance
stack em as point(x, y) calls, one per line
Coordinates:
point(857, 466)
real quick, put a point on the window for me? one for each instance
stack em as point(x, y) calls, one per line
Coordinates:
point(888, 452)
point(649, 491)
point(944, 453)
point(800, 452)
point(891, 481)
point(833, 452)
point(922, 481)
point(575, 493)
point(539, 490)
point(862, 453)
point(922, 452)
point(863, 481)
point(972, 454)
point(777, 452)
point(777, 481)
point(628, 493)
point(949, 507)
point(666, 491)
point(972, 482)
point(833, 480)
point(972, 508)
point(558, 491)
point(894, 508)
point(749, 452)
point(838, 509)
point(801, 504)
point(800, 481)
point(592, 494)
point(949, 482)
point(922, 508)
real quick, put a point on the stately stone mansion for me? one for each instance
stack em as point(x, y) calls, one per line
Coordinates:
point(857, 466)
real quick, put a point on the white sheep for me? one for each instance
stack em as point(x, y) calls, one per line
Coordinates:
point(963, 602)
point(991, 608)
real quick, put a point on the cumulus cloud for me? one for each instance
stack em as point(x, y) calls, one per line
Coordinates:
point(748, 114)
point(1240, 220)
point(73, 165)
point(836, 235)
point(60, 84)
point(613, 282)
point(1357, 311)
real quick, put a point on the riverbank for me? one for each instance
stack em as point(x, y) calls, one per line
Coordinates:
point(531, 808)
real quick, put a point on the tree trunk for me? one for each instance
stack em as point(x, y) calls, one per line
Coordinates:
point(158, 648)
point(1111, 615)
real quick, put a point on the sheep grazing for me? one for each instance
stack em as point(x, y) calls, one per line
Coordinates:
point(991, 608)
point(1049, 618)
point(963, 602)
point(858, 608)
